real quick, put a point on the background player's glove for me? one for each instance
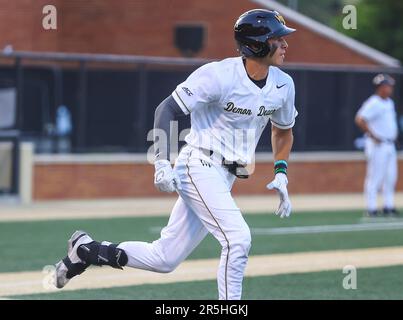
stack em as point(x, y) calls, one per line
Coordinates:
point(280, 185)
point(165, 178)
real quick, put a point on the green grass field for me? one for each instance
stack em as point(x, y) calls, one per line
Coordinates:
point(26, 246)
point(372, 283)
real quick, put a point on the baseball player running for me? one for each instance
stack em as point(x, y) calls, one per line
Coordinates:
point(377, 119)
point(230, 103)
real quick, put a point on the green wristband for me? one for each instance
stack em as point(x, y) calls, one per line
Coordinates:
point(280, 166)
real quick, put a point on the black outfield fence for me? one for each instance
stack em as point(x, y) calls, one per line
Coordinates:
point(111, 100)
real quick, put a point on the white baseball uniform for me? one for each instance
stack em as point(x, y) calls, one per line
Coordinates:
point(228, 115)
point(380, 116)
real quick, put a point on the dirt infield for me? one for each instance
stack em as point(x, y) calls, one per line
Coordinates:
point(93, 209)
point(19, 283)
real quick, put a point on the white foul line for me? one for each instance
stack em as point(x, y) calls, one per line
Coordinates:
point(371, 226)
point(329, 228)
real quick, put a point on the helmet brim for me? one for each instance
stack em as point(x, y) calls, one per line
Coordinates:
point(283, 32)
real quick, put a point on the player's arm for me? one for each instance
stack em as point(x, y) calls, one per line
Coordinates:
point(363, 125)
point(165, 179)
point(197, 91)
point(281, 141)
point(167, 111)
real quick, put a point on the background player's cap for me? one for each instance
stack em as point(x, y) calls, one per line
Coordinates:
point(383, 78)
point(254, 27)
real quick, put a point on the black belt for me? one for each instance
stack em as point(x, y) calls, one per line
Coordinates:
point(237, 169)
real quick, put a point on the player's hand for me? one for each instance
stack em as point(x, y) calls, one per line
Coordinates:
point(165, 178)
point(374, 138)
point(280, 185)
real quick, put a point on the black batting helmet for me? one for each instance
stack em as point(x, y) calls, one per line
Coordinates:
point(254, 27)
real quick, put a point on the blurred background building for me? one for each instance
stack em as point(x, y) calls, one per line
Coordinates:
point(91, 86)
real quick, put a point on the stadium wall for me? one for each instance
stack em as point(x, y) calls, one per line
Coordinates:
point(58, 177)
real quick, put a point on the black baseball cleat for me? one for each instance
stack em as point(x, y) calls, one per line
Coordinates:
point(390, 212)
point(371, 213)
point(71, 265)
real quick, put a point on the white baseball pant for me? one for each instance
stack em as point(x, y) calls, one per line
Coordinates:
point(205, 205)
point(381, 173)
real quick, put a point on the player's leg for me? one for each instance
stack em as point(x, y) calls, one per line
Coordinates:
point(208, 194)
point(178, 239)
point(374, 176)
point(390, 180)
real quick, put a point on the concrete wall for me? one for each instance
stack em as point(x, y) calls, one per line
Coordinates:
point(5, 165)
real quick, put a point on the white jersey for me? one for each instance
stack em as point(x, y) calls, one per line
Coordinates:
point(380, 116)
point(229, 112)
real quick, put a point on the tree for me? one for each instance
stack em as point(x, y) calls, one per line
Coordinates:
point(379, 25)
point(320, 10)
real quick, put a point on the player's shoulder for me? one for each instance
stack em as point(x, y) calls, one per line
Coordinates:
point(281, 76)
point(223, 72)
point(229, 62)
point(220, 67)
point(389, 101)
point(225, 66)
point(372, 100)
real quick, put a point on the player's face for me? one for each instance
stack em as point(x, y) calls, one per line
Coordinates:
point(389, 90)
point(386, 90)
point(278, 50)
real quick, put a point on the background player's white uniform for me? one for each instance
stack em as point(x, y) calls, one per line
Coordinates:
point(380, 116)
point(226, 108)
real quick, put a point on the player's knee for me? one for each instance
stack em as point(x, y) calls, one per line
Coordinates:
point(245, 240)
point(167, 268)
point(168, 265)
point(239, 243)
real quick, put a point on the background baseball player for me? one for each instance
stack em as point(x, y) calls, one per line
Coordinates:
point(377, 119)
point(230, 103)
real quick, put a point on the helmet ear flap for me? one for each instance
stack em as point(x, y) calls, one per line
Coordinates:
point(257, 49)
point(272, 49)
point(245, 50)
point(266, 48)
